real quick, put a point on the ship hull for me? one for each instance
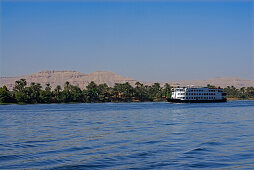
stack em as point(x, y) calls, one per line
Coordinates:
point(195, 101)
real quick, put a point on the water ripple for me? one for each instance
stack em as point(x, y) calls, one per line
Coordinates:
point(127, 136)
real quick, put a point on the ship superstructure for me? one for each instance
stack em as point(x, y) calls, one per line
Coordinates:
point(197, 95)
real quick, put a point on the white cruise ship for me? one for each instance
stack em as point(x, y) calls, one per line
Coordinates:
point(197, 95)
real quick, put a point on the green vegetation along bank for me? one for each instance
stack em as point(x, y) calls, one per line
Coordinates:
point(93, 93)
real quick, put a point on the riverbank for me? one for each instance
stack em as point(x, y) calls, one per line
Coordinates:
point(134, 101)
point(236, 98)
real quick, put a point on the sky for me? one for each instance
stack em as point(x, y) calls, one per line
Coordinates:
point(143, 40)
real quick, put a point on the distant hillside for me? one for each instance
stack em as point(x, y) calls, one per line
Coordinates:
point(80, 79)
point(76, 78)
point(218, 81)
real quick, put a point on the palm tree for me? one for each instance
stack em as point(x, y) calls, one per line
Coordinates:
point(34, 89)
point(58, 94)
point(91, 92)
point(20, 85)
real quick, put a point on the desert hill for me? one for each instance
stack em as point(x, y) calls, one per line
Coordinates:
point(75, 78)
point(217, 81)
point(80, 79)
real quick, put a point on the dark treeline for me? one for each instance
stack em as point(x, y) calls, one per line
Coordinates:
point(242, 93)
point(93, 93)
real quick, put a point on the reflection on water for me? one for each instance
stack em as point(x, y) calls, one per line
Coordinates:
point(127, 135)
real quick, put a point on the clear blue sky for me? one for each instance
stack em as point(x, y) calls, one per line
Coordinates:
point(149, 41)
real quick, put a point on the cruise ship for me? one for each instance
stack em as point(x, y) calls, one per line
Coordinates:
point(197, 95)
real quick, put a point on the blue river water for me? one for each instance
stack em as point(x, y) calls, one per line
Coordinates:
point(127, 136)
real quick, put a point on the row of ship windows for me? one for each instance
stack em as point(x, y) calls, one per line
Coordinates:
point(201, 90)
point(194, 90)
point(196, 94)
point(196, 97)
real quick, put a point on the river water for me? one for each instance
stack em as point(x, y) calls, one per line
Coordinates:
point(127, 136)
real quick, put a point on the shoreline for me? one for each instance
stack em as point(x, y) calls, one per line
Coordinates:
point(235, 98)
point(228, 99)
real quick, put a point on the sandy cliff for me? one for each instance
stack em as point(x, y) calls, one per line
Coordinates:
point(76, 78)
point(80, 79)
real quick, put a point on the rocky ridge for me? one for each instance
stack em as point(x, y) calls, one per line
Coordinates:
point(55, 78)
